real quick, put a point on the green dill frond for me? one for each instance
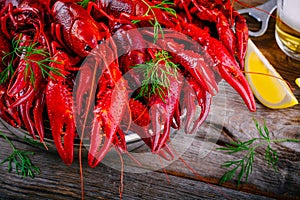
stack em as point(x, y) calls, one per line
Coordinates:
point(157, 73)
point(27, 53)
point(243, 166)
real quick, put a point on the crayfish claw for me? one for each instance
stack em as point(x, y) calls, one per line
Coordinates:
point(99, 144)
point(64, 141)
point(60, 109)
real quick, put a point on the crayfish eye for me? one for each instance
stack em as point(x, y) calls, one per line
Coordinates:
point(99, 41)
point(87, 48)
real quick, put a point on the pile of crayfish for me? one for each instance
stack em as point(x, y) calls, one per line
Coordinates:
point(97, 69)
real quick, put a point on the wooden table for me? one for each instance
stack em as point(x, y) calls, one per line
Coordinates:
point(228, 121)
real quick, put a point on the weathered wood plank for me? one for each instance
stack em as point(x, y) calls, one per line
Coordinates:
point(229, 120)
point(58, 181)
point(238, 123)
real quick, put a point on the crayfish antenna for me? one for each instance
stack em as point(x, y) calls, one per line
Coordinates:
point(133, 159)
point(164, 170)
point(199, 177)
point(45, 145)
point(121, 188)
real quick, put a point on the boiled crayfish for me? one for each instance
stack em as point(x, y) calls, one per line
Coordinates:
point(141, 75)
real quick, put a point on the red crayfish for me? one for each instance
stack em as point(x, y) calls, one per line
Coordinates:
point(128, 78)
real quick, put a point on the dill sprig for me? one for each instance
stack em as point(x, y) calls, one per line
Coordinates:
point(9, 70)
point(43, 64)
point(33, 142)
point(84, 3)
point(156, 25)
point(26, 53)
point(20, 160)
point(243, 166)
point(156, 77)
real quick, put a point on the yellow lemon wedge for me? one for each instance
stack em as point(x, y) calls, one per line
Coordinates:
point(266, 83)
point(297, 81)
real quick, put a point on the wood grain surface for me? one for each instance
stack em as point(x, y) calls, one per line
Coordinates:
point(229, 120)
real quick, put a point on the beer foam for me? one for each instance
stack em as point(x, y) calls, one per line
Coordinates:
point(290, 13)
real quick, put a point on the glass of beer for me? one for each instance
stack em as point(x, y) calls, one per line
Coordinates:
point(287, 31)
